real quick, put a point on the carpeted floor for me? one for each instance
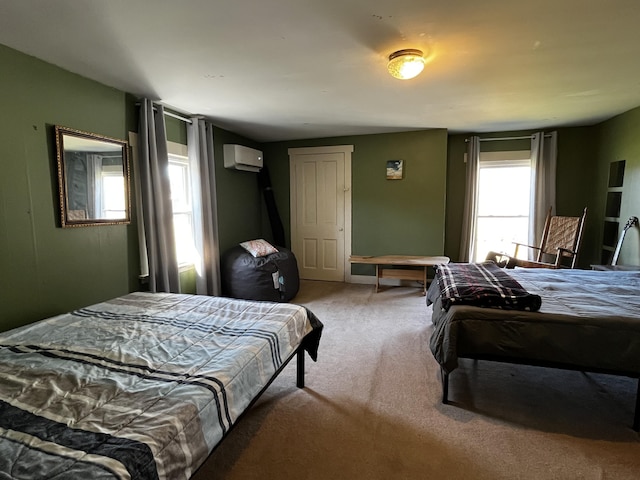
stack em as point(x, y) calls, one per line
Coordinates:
point(372, 408)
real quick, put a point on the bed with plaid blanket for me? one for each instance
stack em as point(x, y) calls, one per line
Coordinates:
point(587, 320)
point(482, 285)
point(143, 386)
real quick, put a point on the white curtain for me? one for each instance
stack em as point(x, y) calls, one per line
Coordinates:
point(200, 145)
point(543, 182)
point(468, 237)
point(155, 214)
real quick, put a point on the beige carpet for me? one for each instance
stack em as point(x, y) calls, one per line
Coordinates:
point(372, 408)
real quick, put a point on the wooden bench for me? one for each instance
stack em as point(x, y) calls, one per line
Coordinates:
point(416, 274)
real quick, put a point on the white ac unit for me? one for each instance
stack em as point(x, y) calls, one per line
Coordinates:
point(239, 157)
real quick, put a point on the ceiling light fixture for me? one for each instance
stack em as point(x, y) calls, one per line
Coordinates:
point(406, 64)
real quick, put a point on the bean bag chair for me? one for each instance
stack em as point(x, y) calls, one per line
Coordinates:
point(259, 271)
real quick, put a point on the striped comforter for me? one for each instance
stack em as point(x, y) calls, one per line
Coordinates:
point(142, 386)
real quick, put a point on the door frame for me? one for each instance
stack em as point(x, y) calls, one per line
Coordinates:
point(346, 150)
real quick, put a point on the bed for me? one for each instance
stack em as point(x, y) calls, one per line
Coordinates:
point(585, 320)
point(143, 386)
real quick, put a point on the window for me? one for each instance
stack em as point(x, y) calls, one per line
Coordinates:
point(503, 202)
point(182, 203)
point(111, 203)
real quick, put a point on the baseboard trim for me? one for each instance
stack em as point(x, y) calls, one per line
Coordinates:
point(386, 282)
point(363, 279)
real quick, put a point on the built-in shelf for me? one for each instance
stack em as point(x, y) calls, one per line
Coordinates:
point(606, 256)
point(610, 235)
point(614, 201)
point(612, 210)
point(616, 173)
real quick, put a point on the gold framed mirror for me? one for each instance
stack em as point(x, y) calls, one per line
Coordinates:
point(93, 178)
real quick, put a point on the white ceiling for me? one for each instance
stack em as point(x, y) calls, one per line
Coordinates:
point(291, 69)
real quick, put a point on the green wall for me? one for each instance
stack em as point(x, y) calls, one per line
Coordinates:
point(619, 139)
point(239, 200)
point(456, 185)
point(47, 269)
point(576, 170)
point(176, 130)
point(388, 216)
point(576, 173)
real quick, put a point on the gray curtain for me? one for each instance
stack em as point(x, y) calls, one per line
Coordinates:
point(155, 213)
point(468, 238)
point(543, 182)
point(200, 145)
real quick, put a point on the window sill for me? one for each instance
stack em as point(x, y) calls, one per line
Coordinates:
point(185, 267)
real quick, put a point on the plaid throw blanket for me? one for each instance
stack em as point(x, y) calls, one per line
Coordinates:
point(483, 285)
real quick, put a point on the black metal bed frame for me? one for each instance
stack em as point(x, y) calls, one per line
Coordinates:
point(300, 362)
point(538, 363)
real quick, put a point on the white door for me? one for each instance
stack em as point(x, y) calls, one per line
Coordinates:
point(321, 211)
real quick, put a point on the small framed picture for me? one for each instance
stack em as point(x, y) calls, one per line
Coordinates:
point(394, 169)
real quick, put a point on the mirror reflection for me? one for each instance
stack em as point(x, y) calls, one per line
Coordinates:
point(93, 176)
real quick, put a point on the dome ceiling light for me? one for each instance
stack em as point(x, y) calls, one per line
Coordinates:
point(406, 64)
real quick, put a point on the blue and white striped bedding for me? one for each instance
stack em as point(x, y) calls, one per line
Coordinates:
point(143, 386)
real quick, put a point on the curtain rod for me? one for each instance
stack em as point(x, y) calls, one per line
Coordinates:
point(524, 137)
point(170, 114)
point(179, 117)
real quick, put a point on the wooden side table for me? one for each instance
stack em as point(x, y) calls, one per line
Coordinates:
point(417, 274)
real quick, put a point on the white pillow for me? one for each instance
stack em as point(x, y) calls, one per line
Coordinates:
point(258, 248)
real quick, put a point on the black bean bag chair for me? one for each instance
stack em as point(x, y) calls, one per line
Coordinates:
point(273, 277)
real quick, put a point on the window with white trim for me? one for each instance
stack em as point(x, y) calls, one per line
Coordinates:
point(182, 203)
point(504, 185)
point(111, 201)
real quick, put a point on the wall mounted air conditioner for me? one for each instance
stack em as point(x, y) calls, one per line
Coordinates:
point(239, 157)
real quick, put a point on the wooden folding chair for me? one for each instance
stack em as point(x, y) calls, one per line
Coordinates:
point(559, 246)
